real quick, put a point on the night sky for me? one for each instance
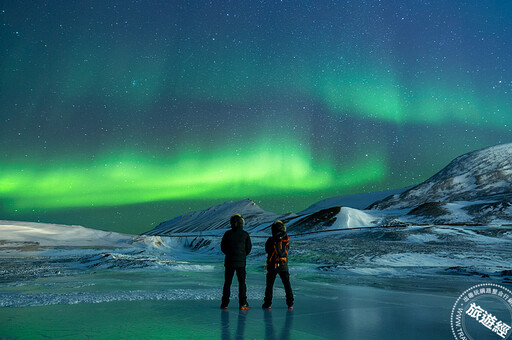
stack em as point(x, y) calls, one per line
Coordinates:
point(119, 115)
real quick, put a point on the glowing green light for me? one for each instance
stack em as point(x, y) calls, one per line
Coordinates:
point(261, 169)
point(379, 95)
point(378, 100)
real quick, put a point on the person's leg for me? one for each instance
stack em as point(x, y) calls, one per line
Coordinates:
point(285, 277)
point(271, 277)
point(226, 291)
point(242, 288)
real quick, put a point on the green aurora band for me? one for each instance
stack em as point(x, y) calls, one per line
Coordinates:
point(265, 170)
point(379, 96)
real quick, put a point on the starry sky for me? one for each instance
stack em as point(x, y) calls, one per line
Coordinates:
point(118, 115)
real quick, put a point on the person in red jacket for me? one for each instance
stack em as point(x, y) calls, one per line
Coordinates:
point(236, 244)
point(277, 263)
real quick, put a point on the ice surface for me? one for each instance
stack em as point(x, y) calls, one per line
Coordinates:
point(187, 306)
point(381, 283)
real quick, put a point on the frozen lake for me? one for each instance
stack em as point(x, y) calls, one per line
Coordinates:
point(185, 304)
point(72, 282)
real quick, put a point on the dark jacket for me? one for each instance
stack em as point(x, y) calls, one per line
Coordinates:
point(277, 251)
point(236, 244)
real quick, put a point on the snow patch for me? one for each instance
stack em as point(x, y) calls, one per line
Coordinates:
point(352, 218)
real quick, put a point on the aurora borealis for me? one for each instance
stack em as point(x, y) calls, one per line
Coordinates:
point(118, 115)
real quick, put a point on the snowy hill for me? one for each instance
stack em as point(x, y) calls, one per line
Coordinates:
point(30, 234)
point(332, 218)
point(215, 218)
point(475, 188)
point(484, 175)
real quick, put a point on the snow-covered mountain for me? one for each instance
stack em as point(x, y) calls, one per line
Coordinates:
point(475, 188)
point(216, 218)
point(331, 219)
point(16, 234)
point(479, 175)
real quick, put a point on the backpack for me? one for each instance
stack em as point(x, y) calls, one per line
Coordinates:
point(279, 255)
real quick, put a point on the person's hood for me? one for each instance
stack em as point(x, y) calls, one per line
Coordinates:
point(237, 222)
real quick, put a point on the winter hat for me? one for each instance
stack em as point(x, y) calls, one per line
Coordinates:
point(278, 228)
point(237, 221)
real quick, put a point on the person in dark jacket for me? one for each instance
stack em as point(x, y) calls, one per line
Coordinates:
point(277, 263)
point(236, 244)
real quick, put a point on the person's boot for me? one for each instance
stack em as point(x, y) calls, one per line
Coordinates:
point(224, 304)
point(244, 306)
point(266, 305)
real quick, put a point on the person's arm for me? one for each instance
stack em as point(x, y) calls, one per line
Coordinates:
point(268, 246)
point(248, 245)
point(223, 244)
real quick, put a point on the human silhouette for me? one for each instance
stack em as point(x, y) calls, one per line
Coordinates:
point(277, 247)
point(236, 245)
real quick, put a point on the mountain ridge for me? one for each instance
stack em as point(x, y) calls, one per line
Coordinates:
point(216, 217)
point(478, 175)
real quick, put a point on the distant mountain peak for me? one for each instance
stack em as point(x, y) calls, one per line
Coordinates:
point(245, 206)
point(215, 217)
point(477, 175)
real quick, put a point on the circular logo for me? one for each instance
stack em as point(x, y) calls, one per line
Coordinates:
point(483, 311)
